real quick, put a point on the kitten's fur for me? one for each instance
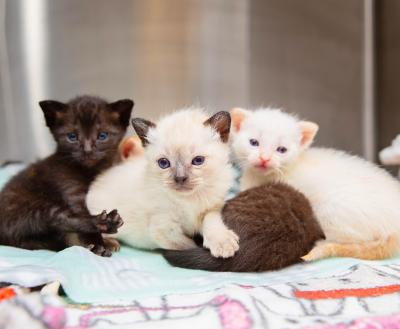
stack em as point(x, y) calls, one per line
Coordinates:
point(164, 208)
point(356, 203)
point(43, 207)
point(276, 227)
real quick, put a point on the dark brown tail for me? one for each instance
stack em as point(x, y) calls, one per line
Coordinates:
point(252, 256)
point(198, 259)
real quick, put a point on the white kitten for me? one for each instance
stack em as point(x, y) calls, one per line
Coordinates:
point(177, 188)
point(356, 202)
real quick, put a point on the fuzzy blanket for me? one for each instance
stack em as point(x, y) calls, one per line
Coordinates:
point(364, 296)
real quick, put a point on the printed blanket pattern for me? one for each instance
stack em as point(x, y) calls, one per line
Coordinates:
point(364, 296)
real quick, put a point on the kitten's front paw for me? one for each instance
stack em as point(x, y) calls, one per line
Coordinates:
point(108, 222)
point(222, 244)
point(99, 250)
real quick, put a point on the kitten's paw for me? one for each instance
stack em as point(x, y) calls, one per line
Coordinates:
point(319, 251)
point(99, 250)
point(111, 244)
point(108, 222)
point(224, 244)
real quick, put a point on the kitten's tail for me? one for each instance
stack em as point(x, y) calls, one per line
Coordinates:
point(201, 259)
point(196, 259)
point(246, 259)
point(370, 250)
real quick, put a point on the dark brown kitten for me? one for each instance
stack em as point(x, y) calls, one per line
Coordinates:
point(275, 224)
point(44, 206)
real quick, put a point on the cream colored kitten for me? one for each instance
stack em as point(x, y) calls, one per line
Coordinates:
point(177, 188)
point(356, 202)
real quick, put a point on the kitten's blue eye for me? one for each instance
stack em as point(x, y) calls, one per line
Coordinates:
point(102, 136)
point(281, 149)
point(198, 160)
point(254, 142)
point(164, 163)
point(72, 137)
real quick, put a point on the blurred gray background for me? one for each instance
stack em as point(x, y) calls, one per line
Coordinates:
point(332, 61)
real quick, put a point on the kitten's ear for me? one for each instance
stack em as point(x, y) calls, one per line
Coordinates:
point(130, 147)
point(308, 131)
point(52, 110)
point(238, 115)
point(142, 127)
point(221, 122)
point(123, 108)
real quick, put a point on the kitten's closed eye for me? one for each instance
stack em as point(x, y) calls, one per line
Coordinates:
point(281, 149)
point(164, 163)
point(102, 136)
point(254, 142)
point(198, 160)
point(72, 137)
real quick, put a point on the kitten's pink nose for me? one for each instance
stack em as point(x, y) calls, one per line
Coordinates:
point(264, 161)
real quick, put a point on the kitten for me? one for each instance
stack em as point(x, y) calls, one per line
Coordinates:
point(130, 147)
point(355, 202)
point(177, 188)
point(276, 227)
point(43, 207)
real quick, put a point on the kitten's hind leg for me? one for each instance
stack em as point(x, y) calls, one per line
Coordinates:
point(48, 242)
point(168, 234)
point(369, 250)
point(95, 243)
point(112, 244)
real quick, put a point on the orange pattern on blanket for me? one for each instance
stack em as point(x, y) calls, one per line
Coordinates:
point(343, 293)
point(7, 293)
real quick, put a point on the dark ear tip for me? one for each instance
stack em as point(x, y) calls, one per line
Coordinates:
point(224, 114)
point(128, 102)
point(50, 104)
point(135, 121)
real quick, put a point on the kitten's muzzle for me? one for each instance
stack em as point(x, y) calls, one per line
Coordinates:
point(180, 179)
point(182, 184)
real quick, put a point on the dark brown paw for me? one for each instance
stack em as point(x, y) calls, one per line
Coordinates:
point(99, 250)
point(109, 222)
point(111, 244)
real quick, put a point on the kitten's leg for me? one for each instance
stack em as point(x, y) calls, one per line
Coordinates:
point(112, 244)
point(75, 198)
point(48, 242)
point(104, 222)
point(67, 221)
point(370, 250)
point(221, 241)
point(49, 224)
point(86, 229)
point(169, 234)
point(97, 244)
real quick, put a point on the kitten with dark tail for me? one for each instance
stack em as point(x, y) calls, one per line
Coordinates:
point(43, 207)
point(276, 227)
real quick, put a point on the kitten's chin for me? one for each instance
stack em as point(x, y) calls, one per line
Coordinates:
point(262, 170)
point(90, 162)
point(182, 191)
